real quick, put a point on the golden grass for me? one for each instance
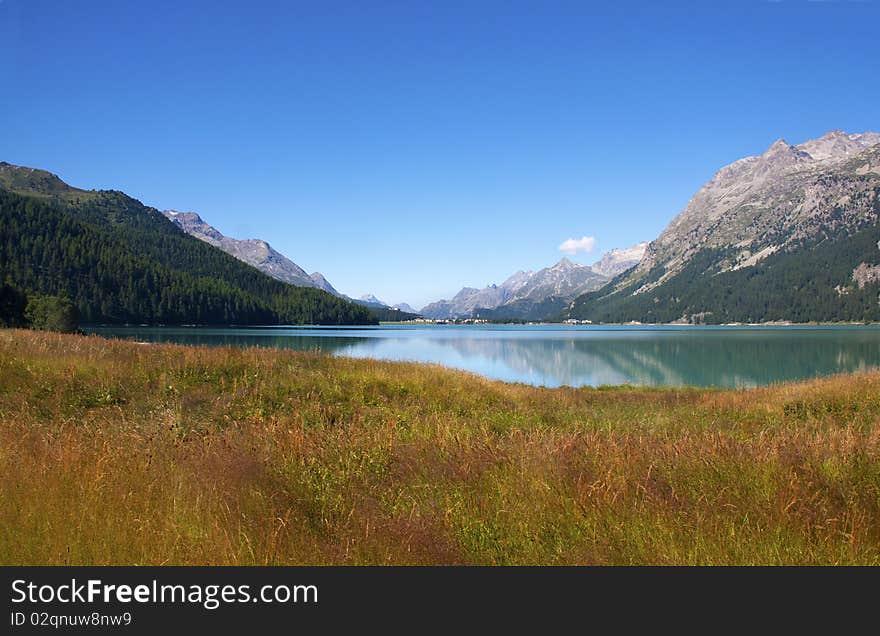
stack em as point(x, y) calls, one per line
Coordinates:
point(119, 453)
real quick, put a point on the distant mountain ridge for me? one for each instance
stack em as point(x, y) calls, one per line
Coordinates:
point(256, 252)
point(619, 260)
point(121, 262)
point(535, 295)
point(264, 257)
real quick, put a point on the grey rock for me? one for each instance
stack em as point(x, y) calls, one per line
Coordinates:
point(255, 252)
point(322, 283)
point(759, 205)
point(619, 260)
point(372, 300)
point(564, 280)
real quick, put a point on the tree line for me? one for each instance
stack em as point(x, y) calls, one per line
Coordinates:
point(120, 262)
point(810, 281)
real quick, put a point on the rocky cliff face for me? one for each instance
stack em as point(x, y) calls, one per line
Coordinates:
point(619, 260)
point(322, 283)
point(762, 215)
point(760, 204)
point(254, 252)
point(263, 256)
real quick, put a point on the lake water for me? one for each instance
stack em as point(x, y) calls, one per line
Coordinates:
point(555, 355)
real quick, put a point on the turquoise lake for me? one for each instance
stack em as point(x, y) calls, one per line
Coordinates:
point(557, 355)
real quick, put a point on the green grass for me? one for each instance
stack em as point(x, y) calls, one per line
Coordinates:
point(119, 453)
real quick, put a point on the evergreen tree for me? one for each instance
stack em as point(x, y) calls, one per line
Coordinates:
point(122, 262)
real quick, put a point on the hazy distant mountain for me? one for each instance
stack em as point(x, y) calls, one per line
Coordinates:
point(786, 235)
point(372, 300)
point(619, 260)
point(534, 295)
point(563, 280)
point(404, 307)
point(465, 301)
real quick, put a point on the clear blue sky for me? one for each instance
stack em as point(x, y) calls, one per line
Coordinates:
point(409, 148)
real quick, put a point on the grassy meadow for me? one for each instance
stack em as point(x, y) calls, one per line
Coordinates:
point(120, 453)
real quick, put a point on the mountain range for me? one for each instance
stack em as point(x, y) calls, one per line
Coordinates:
point(254, 252)
point(790, 234)
point(120, 261)
point(535, 295)
point(264, 257)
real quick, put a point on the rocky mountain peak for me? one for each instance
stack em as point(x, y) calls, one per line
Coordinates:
point(778, 146)
point(517, 280)
point(192, 224)
point(834, 145)
point(322, 283)
point(779, 155)
point(564, 264)
point(616, 261)
point(183, 217)
point(256, 252)
point(866, 139)
point(370, 298)
point(759, 205)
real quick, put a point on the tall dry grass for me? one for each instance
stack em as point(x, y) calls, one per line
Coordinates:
point(119, 453)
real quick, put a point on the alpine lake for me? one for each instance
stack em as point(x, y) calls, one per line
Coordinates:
point(570, 355)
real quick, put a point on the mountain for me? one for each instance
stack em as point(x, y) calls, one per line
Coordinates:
point(123, 262)
point(617, 261)
point(786, 235)
point(254, 252)
point(261, 255)
point(466, 301)
point(565, 279)
point(322, 283)
point(370, 301)
point(404, 307)
point(534, 295)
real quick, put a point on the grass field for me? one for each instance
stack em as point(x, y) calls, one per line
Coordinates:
point(120, 453)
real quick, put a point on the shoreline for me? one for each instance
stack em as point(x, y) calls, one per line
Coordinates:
point(115, 453)
point(554, 357)
point(486, 324)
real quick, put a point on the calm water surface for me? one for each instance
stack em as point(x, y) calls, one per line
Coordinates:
point(555, 355)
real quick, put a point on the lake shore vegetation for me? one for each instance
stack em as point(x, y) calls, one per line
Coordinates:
point(115, 452)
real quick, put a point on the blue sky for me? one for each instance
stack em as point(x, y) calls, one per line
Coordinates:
point(409, 148)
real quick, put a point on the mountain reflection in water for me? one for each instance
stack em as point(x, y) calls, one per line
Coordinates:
point(574, 356)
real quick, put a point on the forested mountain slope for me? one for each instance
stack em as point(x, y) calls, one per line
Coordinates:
point(123, 262)
point(791, 235)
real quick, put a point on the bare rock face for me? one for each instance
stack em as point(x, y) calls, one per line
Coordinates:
point(254, 252)
point(762, 204)
point(837, 145)
point(564, 280)
point(370, 298)
point(866, 274)
point(466, 301)
point(322, 283)
point(619, 260)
